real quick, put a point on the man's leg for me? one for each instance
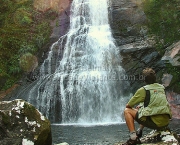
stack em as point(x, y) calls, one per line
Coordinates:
point(129, 115)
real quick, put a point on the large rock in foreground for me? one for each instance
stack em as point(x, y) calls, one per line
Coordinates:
point(22, 123)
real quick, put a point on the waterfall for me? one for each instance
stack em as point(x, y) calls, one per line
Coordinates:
point(81, 79)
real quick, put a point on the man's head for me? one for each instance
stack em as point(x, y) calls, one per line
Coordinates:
point(149, 75)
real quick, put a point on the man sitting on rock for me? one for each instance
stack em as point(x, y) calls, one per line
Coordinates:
point(153, 110)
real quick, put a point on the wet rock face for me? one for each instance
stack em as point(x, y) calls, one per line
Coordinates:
point(127, 21)
point(60, 27)
point(136, 57)
point(137, 50)
point(130, 33)
point(21, 123)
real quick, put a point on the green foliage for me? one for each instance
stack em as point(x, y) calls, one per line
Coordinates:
point(22, 17)
point(163, 20)
point(23, 30)
point(14, 67)
point(10, 80)
point(25, 48)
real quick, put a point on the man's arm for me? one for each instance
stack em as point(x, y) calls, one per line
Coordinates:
point(138, 97)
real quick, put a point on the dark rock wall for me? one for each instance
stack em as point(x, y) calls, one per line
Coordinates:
point(136, 57)
point(130, 33)
point(137, 49)
point(126, 21)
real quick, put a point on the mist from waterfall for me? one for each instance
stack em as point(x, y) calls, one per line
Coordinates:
point(81, 79)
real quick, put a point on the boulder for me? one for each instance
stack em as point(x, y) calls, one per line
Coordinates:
point(22, 123)
point(28, 62)
point(172, 54)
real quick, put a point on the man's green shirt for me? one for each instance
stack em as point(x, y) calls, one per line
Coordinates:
point(139, 96)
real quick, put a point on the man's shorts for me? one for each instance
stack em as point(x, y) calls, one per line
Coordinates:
point(148, 123)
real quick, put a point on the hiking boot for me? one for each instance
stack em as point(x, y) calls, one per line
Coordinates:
point(132, 142)
point(139, 133)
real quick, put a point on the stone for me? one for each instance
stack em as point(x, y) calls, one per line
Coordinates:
point(28, 62)
point(22, 123)
point(166, 79)
point(158, 137)
point(172, 54)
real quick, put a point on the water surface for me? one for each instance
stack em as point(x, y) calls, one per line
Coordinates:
point(106, 134)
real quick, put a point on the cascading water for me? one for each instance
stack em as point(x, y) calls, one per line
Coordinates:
point(85, 85)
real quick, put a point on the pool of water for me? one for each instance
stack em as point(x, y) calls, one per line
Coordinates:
point(101, 134)
point(89, 135)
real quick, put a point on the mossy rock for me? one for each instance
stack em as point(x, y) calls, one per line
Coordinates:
point(21, 122)
point(28, 62)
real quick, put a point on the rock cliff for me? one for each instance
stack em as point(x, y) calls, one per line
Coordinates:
point(137, 49)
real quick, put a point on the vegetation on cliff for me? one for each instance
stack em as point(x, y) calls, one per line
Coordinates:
point(164, 21)
point(23, 30)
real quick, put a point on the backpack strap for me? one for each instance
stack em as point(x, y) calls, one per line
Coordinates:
point(147, 98)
